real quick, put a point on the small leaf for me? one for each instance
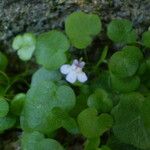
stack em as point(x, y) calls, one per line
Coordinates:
point(104, 147)
point(88, 123)
point(25, 45)
point(91, 125)
point(4, 107)
point(129, 124)
point(92, 144)
point(105, 122)
point(133, 51)
point(126, 62)
point(17, 104)
point(146, 38)
point(125, 85)
point(40, 100)
point(50, 144)
point(66, 121)
point(6, 123)
point(43, 74)
point(36, 140)
point(81, 27)
point(50, 49)
point(115, 144)
point(120, 31)
point(100, 100)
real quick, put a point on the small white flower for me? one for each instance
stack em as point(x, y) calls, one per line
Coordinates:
point(74, 72)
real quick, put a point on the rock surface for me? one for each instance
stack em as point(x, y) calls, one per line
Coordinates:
point(19, 16)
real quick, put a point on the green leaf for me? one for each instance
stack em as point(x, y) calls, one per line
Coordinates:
point(36, 141)
point(50, 49)
point(66, 121)
point(42, 75)
point(120, 31)
point(81, 104)
point(103, 81)
point(50, 144)
point(88, 123)
point(126, 62)
point(100, 100)
point(92, 144)
point(4, 107)
point(146, 39)
point(142, 68)
point(41, 99)
point(3, 61)
point(115, 144)
point(17, 104)
point(25, 45)
point(129, 124)
point(104, 147)
point(4, 82)
point(125, 85)
point(145, 113)
point(81, 28)
point(91, 125)
point(6, 123)
point(133, 52)
point(105, 122)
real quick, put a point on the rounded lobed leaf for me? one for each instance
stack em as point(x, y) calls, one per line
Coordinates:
point(81, 27)
point(125, 63)
point(50, 49)
point(133, 52)
point(120, 30)
point(105, 122)
point(129, 124)
point(17, 104)
point(67, 122)
point(88, 123)
point(125, 85)
point(4, 107)
point(100, 100)
point(6, 123)
point(25, 45)
point(91, 125)
point(43, 74)
point(50, 144)
point(36, 140)
point(146, 39)
point(91, 144)
point(41, 99)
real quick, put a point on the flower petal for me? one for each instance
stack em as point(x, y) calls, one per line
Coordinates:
point(82, 64)
point(82, 77)
point(65, 69)
point(75, 62)
point(71, 77)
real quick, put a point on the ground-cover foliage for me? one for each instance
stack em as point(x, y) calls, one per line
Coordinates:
point(106, 101)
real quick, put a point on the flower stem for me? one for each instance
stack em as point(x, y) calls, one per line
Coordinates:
point(102, 58)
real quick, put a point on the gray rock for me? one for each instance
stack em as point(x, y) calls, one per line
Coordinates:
point(19, 16)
